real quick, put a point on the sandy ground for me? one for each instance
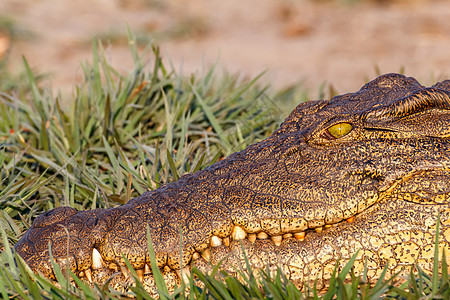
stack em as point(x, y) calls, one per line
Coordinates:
point(312, 42)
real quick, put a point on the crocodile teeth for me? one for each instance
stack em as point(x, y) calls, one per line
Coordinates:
point(124, 272)
point(114, 267)
point(206, 255)
point(97, 261)
point(147, 269)
point(252, 237)
point(351, 219)
point(140, 274)
point(195, 256)
point(299, 236)
point(238, 233)
point(276, 239)
point(88, 274)
point(262, 235)
point(226, 241)
point(327, 226)
point(184, 274)
point(318, 229)
point(216, 241)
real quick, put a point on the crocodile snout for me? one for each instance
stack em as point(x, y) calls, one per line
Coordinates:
point(53, 216)
point(67, 234)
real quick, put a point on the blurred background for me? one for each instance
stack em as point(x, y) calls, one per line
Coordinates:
point(312, 42)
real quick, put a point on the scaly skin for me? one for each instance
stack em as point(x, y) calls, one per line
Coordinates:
point(378, 158)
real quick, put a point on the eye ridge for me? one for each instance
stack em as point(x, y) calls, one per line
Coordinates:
point(337, 131)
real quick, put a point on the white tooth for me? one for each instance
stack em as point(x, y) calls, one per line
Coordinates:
point(147, 269)
point(184, 274)
point(262, 235)
point(238, 233)
point(81, 274)
point(195, 256)
point(206, 255)
point(88, 274)
point(216, 241)
point(276, 239)
point(251, 237)
point(114, 267)
point(226, 241)
point(299, 236)
point(140, 274)
point(179, 273)
point(125, 273)
point(97, 261)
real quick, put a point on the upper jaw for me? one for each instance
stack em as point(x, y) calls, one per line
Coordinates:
point(70, 239)
point(101, 237)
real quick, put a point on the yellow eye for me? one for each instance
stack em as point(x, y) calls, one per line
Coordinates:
point(338, 130)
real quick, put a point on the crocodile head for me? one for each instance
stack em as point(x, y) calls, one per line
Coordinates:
point(365, 171)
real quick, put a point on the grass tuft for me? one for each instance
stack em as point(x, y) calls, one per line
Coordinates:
point(122, 134)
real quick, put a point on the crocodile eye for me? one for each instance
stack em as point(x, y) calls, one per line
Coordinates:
point(338, 130)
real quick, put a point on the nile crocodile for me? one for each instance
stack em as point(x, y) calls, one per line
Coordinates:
point(367, 171)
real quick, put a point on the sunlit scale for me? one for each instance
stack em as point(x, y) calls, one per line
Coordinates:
point(238, 233)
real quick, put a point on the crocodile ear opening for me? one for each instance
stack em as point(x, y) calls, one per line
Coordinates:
point(423, 113)
point(417, 102)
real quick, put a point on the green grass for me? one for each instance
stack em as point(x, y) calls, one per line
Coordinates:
point(122, 134)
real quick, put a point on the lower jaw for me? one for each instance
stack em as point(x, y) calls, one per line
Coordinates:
point(121, 279)
point(233, 258)
point(120, 282)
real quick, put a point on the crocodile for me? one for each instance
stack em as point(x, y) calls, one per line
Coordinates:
point(364, 174)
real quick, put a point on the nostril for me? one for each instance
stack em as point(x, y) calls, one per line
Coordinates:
point(53, 216)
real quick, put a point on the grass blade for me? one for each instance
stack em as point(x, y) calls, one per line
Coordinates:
point(435, 280)
point(159, 280)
